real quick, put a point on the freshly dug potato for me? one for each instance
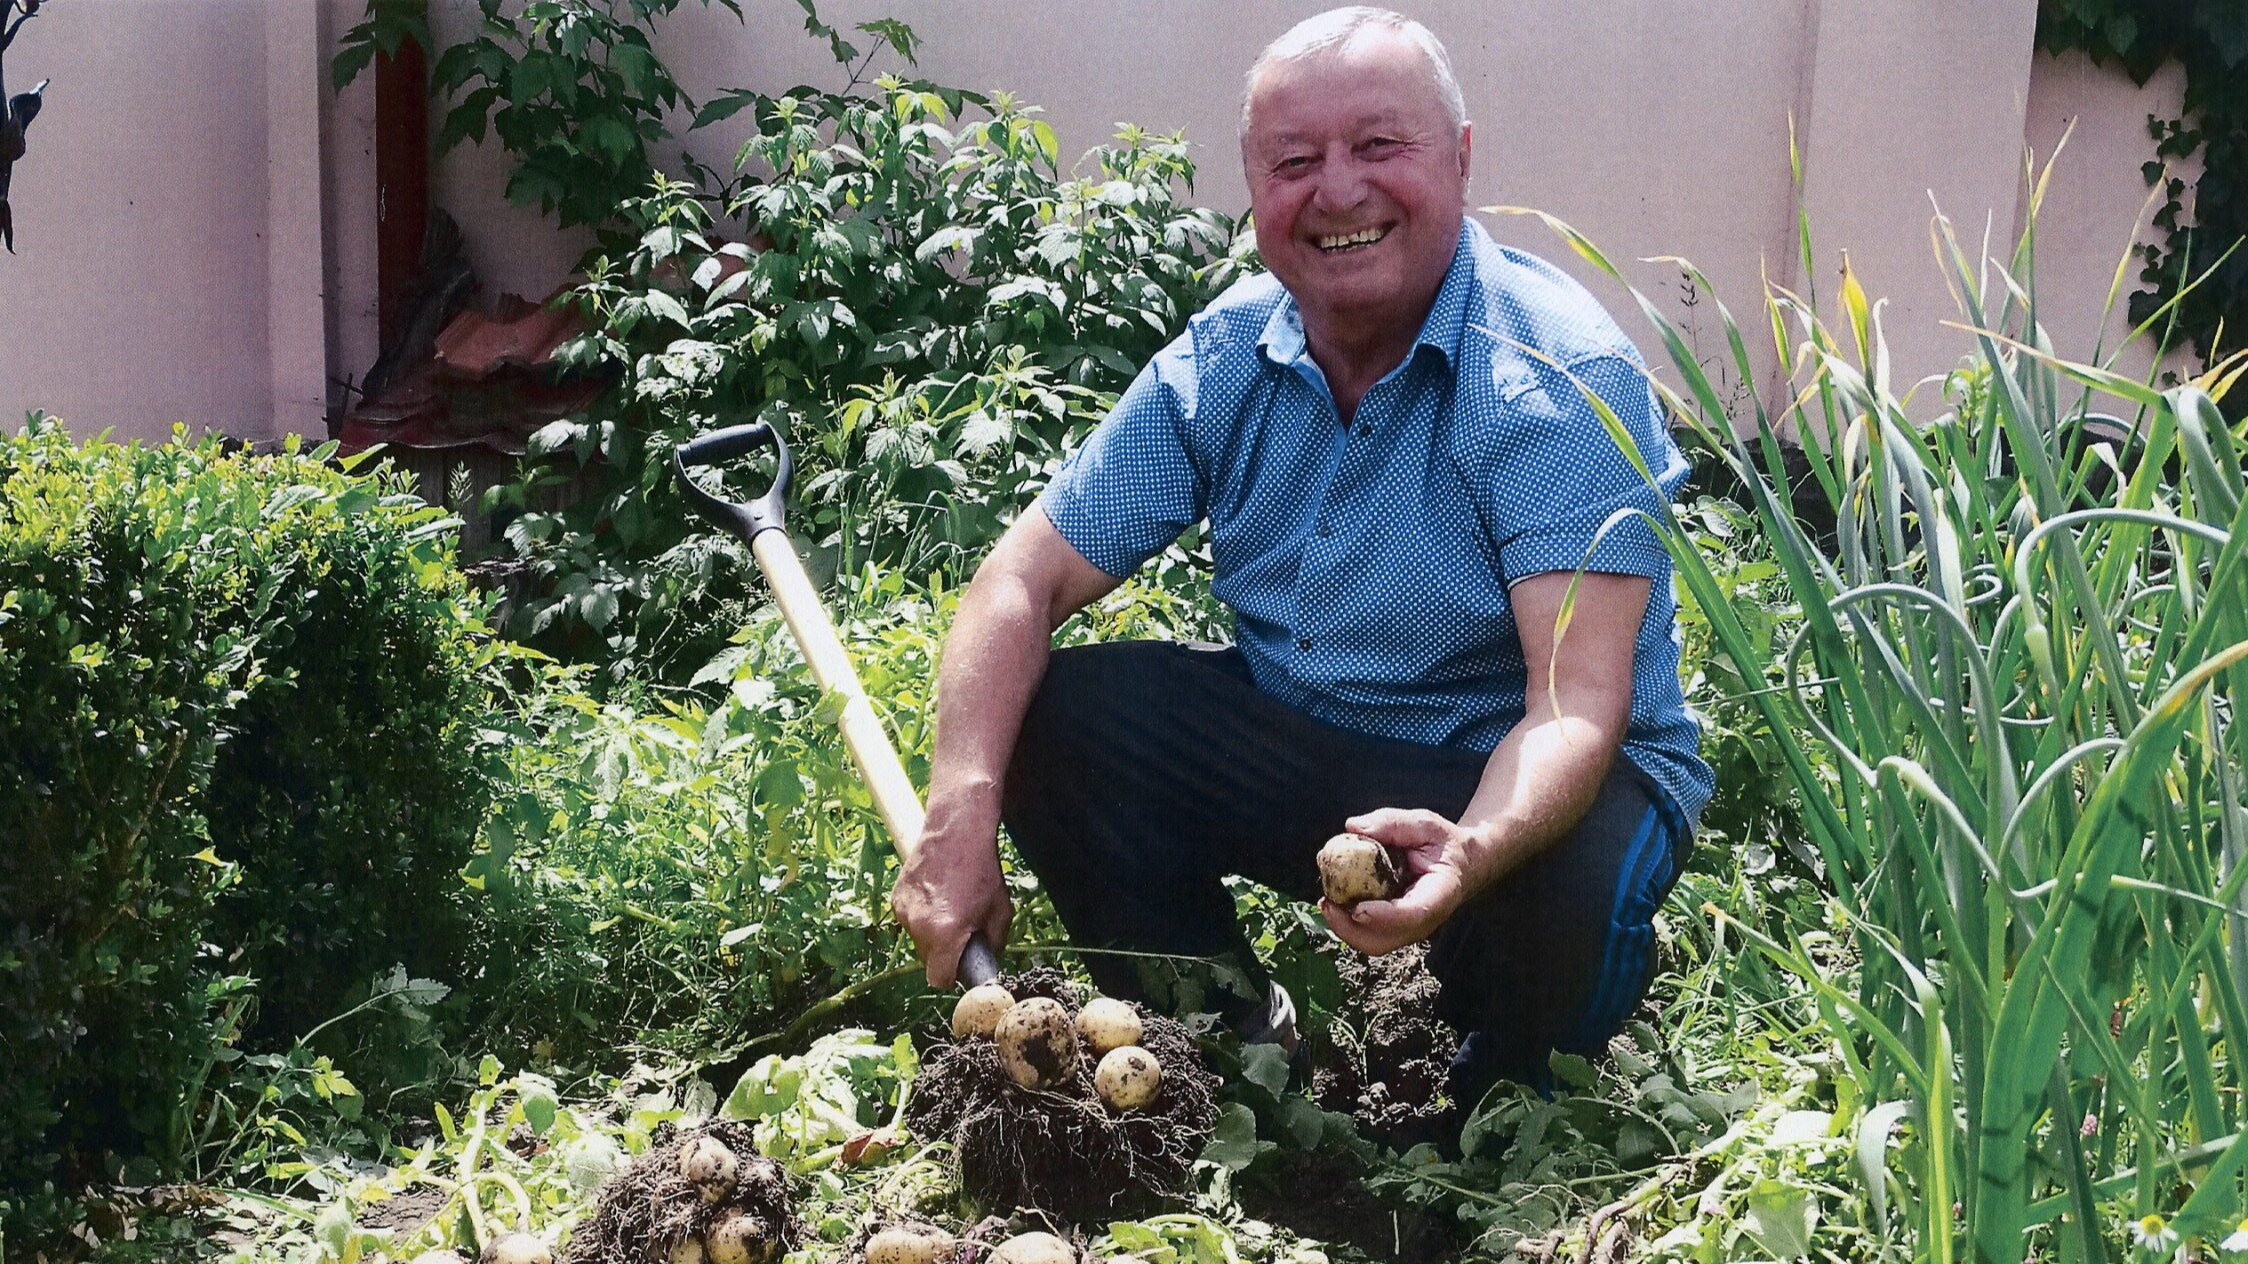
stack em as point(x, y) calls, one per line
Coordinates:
point(1107, 1023)
point(710, 1167)
point(1128, 1078)
point(515, 1248)
point(688, 1251)
point(1353, 867)
point(1037, 1045)
point(738, 1238)
point(979, 1011)
point(910, 1244)
point(1034, 1248)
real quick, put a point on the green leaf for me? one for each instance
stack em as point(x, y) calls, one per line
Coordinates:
point(1233, 1143)
point(950, 237)
point(779, 786)
point(612, 137)
point(1266, 1066)
point(353, 59)
point(723, 107)
point(1782, 1217)
point(539, 1105)
point(667, 307)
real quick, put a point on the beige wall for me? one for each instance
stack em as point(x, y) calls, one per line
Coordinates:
point(183, 262)
point(167, 227)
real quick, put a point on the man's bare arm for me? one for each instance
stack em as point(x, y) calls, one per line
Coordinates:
point(1539, 781)
point(993, 660)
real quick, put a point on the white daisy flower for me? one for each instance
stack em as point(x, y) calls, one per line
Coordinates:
point(2153, 1233)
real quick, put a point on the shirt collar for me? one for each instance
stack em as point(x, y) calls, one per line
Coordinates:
point(1282, 340)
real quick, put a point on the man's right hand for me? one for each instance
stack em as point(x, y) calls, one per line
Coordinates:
point(993, 659)
point(952, 888)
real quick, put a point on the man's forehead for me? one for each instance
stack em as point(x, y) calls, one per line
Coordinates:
point(1380, 62)
point(1344, 119)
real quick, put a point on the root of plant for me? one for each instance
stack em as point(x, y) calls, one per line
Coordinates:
point(650, 1208)
point(1063, 1152)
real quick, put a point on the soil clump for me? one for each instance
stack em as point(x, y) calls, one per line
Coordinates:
point(1321, 1197)
point(1062, 1151)
point(650, 1207)
point(1386, 1060)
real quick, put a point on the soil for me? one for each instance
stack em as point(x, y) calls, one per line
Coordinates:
point(1062, 1151)
point(407, 1211)
point(649, 1208)
point(1387, 1057)
point(1384, 1063)
point(1320, 1196)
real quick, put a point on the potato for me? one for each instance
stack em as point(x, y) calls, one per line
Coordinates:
point(738, 1238)
point(710, 1167)
point(1034, 1248)
point(1108, 1024)
point(689, 1250)
point(1037, 1045)
point(910, 1244)
point(979, 1010)
point(1128, 1078)
point(516, 1248)
point(1353, 867)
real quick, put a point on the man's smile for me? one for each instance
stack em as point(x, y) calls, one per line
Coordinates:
point(1338, 242)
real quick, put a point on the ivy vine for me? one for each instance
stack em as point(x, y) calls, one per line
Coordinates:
point(2210, 39)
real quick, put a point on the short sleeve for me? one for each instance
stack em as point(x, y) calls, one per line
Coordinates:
point(1133, 486)
point(1557, 475)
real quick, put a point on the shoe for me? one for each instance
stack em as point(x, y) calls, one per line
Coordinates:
point(1277, 1025)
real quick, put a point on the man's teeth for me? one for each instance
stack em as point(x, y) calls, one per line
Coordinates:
point(1359, 238)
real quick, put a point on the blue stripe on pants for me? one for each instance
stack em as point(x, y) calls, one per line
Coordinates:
point(1650, 865)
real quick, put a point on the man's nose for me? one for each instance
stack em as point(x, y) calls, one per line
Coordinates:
point(1342, 185)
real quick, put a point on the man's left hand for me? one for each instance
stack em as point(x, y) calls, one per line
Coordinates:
point(1439, 856)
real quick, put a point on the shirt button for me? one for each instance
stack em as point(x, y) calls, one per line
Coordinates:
point(1325, 531)
point(1364, 430)
point(1303, 643)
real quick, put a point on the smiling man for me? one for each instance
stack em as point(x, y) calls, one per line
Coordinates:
point(1389, 439)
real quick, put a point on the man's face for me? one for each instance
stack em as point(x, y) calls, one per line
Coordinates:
point(1357, 178)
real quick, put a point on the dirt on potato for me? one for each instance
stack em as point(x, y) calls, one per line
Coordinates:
point(649, 1208)
point(1063, 1152)
point(1388, 1057)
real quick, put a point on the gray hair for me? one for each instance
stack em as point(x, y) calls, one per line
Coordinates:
point(1329, 31)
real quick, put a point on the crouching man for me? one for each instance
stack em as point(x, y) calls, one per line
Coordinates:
point(1389, 439)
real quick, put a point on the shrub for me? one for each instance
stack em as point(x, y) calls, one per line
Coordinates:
point(234, 697)
point(685, 876)
point(931, 312)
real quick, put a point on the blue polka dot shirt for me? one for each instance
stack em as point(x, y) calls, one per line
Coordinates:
point(1368, 568)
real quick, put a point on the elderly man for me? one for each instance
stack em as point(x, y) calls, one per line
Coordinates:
point(1389, 439)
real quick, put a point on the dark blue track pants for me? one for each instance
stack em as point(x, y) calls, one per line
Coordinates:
point(1148, 771)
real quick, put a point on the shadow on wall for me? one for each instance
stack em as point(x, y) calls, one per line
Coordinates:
point(16, 112)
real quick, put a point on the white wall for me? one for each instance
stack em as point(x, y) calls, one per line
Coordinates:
point(158, 278)
point(197, 237)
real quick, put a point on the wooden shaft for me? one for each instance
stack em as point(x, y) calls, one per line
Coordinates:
point(894, 795)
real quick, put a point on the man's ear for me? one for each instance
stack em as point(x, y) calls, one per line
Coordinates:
point(1467, 146)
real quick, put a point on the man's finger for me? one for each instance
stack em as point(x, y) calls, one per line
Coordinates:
point(941, 961)
point(1406, 828)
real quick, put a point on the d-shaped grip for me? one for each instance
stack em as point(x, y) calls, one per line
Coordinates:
point(745, 520)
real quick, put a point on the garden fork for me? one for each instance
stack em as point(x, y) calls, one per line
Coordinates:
point(759, 524)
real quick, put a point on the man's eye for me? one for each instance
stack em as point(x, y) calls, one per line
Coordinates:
point(1297, 162)
point(1381, 144)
